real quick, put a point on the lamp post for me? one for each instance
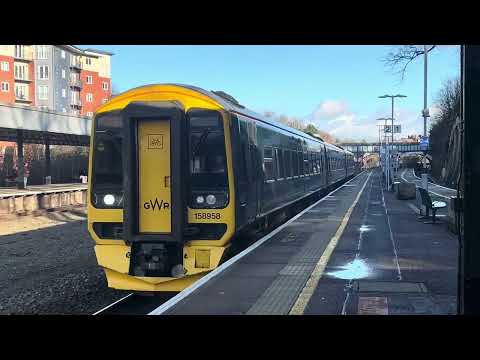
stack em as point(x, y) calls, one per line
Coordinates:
point(425, 112)
point(386, 166)
point(393, 100)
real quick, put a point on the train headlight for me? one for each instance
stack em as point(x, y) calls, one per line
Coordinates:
point(109, 199)
point(200, 199)
point(211, 199)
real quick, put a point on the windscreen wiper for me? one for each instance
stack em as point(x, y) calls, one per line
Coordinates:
point(113, 135)
point(202, 139)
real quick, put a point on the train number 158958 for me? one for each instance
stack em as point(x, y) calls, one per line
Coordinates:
point(210, 216)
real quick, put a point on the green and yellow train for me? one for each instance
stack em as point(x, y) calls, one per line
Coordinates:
point(177, 172)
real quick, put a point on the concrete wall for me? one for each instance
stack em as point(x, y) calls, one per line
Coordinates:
point(27, 204)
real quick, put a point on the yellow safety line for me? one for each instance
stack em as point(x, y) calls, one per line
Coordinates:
point(307, 292)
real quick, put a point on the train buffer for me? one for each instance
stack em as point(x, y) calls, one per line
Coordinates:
point(359, 250)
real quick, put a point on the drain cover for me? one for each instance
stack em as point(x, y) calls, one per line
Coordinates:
point(389, 286)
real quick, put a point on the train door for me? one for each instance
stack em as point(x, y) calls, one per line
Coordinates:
point(154, 206)
point(255, 181)
point(326, 165)
point(247, 172)
point(154, 175)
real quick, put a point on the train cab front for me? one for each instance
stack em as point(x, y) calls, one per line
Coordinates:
point(160, 208)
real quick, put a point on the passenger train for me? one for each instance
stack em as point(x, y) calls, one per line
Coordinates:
point(176, 173)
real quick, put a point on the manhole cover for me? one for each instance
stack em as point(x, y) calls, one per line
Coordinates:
point(363, 286)
point(372, 306)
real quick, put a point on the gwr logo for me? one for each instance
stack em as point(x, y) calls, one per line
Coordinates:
point(155, 141)
point(156, 205)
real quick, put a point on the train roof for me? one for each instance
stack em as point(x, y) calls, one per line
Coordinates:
point(231, 104)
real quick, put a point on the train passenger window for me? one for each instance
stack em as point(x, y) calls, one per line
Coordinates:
point(306, 170)
point(288, 164)
point(280, 164)
point(295, 163)
point(312, 163)
point(268, 163)
point(300, 163)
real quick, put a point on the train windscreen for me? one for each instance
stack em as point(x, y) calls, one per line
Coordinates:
point(207, 159)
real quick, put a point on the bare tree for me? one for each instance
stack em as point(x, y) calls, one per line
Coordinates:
point(399, 59)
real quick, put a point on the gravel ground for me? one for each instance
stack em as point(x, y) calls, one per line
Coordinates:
point(48, 266)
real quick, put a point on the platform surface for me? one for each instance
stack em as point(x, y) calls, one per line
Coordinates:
point(384, 261)
point(40, 189)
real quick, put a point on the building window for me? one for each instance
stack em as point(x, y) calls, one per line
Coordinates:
point(89, 79)
point(63, 74)
point(43, 72)
point(42, 52)
point(64, 110)
point(88, 61)
point(105, 85)
point(64, 93)
point(20, 51)
point(104, 101)
point(89, 97)
point(43, 92)
point(5, 66)
point(63, 54)
point(89, 113)
point(21, 72)
point(21, 91)
point(5, 86)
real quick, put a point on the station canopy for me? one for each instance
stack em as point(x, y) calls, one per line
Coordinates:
point(38, 126)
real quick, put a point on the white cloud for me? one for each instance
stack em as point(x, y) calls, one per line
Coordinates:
point(330, 109)
point(336, 118)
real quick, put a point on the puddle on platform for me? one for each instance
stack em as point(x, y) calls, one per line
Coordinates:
point(365, 228)
point(357, 269)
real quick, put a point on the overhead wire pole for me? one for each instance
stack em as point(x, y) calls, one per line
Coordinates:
point(392, 97)
point(425, 112)
point(425, 109)
point(386, 160)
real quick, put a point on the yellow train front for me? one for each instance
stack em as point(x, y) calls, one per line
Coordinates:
point(158, 223)
point(176, 172)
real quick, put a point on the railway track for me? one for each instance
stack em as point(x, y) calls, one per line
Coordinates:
point(136, 304)
point(154, 303)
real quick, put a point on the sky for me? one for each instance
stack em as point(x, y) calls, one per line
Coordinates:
point(334, 87)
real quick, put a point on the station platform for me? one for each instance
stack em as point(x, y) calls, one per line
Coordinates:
point(37, 198)
point(40, 189)
point(359, 250)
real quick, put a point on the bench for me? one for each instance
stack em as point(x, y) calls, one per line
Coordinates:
point(429, 204)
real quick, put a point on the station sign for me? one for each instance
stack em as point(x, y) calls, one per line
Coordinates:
point(397, 129)
point(424, 143)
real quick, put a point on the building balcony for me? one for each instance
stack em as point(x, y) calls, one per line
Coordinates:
point(18, 57)
point(24, 79)
point(76, 65)
point(22, 98)
point(76, 103)
point(77, 83)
